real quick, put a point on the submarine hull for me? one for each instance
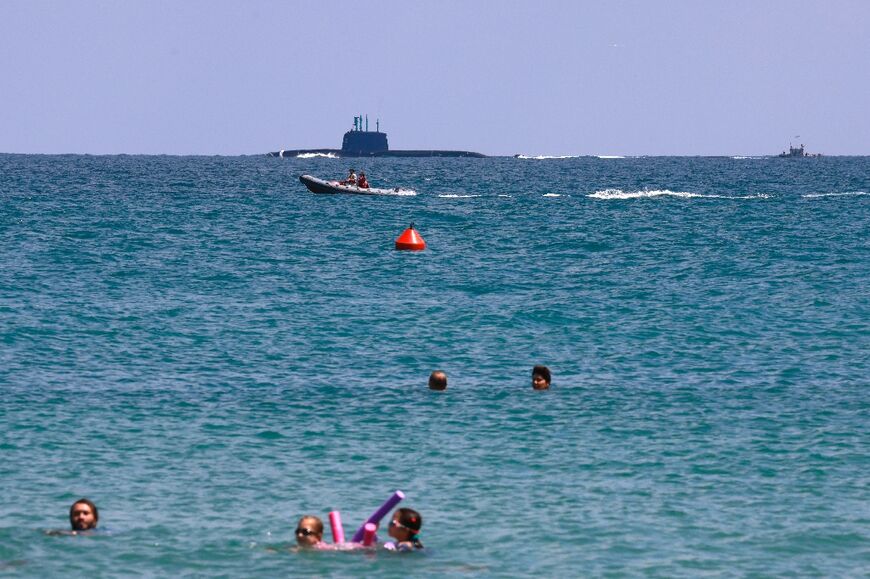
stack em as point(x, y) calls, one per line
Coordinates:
point(365, 143)
point(338, 153)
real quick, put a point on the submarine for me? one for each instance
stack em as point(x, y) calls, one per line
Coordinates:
point(361, 142)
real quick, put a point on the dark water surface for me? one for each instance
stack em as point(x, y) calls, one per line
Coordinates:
point(208, 351)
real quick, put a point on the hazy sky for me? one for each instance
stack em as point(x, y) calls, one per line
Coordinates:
point(499, 77)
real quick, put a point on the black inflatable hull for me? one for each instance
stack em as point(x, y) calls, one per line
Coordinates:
point(323, 187)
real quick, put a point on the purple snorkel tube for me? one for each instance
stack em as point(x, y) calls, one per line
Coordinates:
point(378, 515)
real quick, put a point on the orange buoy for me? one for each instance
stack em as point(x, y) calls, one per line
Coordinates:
point(410, 240)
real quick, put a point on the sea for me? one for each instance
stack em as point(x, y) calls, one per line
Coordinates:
point(208, 351)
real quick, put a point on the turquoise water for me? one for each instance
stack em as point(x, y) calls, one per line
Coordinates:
point(208, 351)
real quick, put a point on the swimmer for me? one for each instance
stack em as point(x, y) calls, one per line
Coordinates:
point(83, 519)
point(541, 378)
point(438, 380)
point(83, 515)
point(405, 529)
point(309, 532)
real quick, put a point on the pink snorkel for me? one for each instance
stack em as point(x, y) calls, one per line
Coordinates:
point(369, 534)
point(337, 529)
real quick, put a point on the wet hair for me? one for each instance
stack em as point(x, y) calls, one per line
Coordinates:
point(413, 521)
point(438, 380)
point(541, 371)
point(86, 502)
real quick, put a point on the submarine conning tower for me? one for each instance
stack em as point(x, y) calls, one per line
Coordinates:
point(359, 141)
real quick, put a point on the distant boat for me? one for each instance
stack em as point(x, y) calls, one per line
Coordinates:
point(796, 152)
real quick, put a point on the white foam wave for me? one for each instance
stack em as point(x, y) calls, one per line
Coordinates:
point(543, 157)
point(846, 194)
point(552, 195)
point(403, 192)
point(620, 194)
point(312, 155)
point(611, 157)
point(456, 196)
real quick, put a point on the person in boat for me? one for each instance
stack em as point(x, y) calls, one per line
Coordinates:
point(362, 183)
point(438, 380)
point(351, 178)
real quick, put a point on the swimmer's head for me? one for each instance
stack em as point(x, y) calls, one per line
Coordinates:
point(405, 526)
point(309, 531)
point(540, 378)
point(438, 380)
point(83, 515)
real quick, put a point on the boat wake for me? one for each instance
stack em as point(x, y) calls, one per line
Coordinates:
point(456, 196)
point(620, 194)
point(846, 194)
point(545, 157)
point(312, 155)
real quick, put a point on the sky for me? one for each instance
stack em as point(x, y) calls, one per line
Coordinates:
point(538, 77)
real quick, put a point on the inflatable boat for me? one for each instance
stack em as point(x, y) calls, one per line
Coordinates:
point(316, 185)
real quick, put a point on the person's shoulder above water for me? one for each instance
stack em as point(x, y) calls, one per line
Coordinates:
point(541, 378)
point(405, 529)
point(438, 380)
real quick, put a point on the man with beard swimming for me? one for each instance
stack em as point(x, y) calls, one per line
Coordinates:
point(83, 518)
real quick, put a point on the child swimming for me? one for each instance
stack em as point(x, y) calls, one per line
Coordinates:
point(405, 529)
point(309, 532)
